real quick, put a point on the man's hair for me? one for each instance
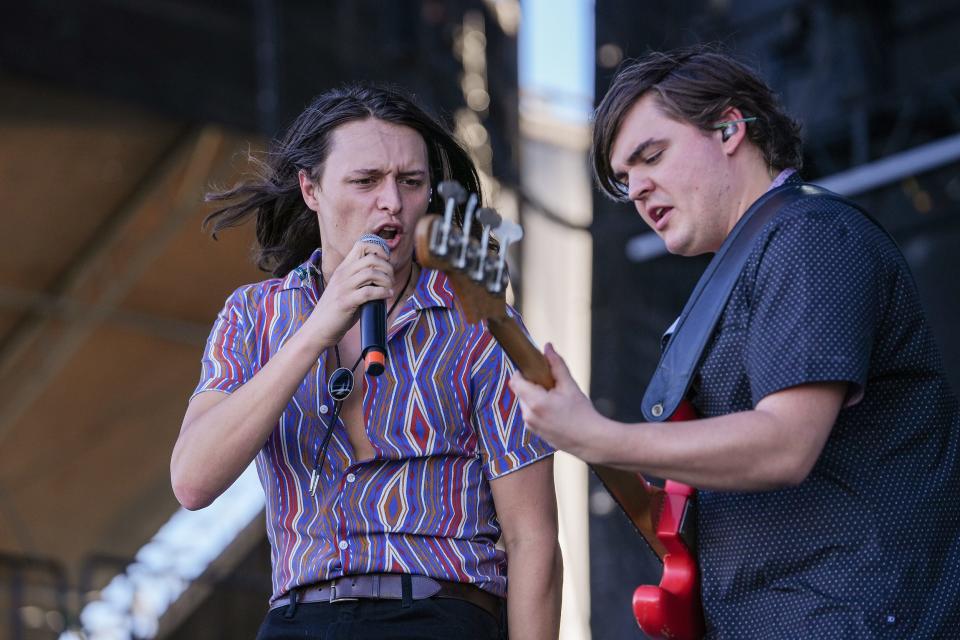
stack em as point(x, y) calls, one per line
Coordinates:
point(287, 230)
point(695, 85)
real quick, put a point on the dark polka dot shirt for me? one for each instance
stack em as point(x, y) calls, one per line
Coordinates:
point(867, 546)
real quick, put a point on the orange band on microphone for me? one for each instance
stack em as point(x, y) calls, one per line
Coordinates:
point(374, 362)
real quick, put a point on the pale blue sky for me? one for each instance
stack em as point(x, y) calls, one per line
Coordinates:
point(556, 54)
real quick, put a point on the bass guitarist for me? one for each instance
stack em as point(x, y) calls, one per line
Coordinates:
point(826, 455)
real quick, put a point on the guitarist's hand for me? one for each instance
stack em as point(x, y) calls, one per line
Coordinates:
point(563, 416)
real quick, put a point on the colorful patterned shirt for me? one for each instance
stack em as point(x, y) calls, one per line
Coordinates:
point(441, 419)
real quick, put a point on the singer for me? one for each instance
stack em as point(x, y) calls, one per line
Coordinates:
point(828, 454)
point(385, 494)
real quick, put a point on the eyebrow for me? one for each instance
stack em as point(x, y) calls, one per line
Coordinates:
point(635, 155)
point(380, 172)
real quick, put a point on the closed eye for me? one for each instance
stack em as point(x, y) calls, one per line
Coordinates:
point(653, 157)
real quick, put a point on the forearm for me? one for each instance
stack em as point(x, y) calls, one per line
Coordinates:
point(736, 452)
point(534, 589)
point(217, 444)
point(773, 445)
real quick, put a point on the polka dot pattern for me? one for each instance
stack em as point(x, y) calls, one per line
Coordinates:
point(867, 546)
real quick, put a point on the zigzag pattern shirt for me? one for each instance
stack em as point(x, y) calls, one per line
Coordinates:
point(442, 421)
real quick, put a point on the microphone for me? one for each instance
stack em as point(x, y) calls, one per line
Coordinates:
point(373, 323)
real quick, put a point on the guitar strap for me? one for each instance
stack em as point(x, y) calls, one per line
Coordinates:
point(681, 357)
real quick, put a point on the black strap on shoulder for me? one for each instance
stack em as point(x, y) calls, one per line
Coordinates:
point(681, 357)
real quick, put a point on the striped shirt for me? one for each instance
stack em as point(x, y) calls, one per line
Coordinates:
point(441, 419)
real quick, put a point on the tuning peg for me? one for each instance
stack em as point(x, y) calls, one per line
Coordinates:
point(490, 220)
point(453, 194)
point(460, 260)
point(507, 233)
point(488, 217)
point(452, 190)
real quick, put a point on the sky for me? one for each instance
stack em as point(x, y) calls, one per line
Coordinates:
point(556, 61)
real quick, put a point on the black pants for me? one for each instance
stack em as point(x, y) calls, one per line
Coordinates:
point(429, 619)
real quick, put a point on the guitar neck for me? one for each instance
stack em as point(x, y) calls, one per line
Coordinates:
point(640, 501)
point(528, 359)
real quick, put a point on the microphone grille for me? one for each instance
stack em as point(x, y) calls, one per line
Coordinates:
point(377, 240)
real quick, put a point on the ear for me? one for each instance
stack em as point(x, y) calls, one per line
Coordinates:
point(733, 140)
point(309, 190)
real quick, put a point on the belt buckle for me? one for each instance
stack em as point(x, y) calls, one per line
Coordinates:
point(334, 598)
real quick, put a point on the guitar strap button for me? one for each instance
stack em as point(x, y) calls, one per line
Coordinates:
point(657, 410)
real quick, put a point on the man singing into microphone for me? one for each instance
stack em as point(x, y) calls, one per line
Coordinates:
point(828, 452)
point(385, 495)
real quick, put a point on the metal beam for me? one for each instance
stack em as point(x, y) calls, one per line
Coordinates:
point(63, 308)
point(98, 278)
point(896, 167)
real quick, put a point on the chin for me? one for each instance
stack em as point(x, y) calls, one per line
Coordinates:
point(676, 246)
point(400, 256)
point(682, 246)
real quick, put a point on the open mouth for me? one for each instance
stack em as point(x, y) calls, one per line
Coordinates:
point(657, 214)
point(388, 232)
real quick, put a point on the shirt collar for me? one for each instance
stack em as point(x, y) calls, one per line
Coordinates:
point(304, 274)
point(787, 175)
point(433, 290)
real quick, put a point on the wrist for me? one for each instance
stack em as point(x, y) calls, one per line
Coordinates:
point(607, 442)
point(311, 343)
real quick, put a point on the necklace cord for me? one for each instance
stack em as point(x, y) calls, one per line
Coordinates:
point(321, 454)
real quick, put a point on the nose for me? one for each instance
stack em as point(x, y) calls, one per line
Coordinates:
point(389, 199)
point(639, 187)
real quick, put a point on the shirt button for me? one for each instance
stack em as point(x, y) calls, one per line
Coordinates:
point(342, 544)
point(351, 477)
point(323, 409)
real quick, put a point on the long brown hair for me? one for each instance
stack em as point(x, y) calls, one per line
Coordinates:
point(286, 230)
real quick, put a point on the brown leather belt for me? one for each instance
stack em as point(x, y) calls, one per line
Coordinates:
point(388, 586)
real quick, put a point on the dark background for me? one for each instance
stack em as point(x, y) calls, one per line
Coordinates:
point(867, 80)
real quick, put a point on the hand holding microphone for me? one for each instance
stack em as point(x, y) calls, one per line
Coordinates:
point(373, 323)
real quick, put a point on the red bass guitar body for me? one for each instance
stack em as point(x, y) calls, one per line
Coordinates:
point(672, 610)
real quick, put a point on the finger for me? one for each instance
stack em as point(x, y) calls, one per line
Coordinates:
point(358, 251)
point(527, 391)
point(516, 375)
point(559, 368)
point(366, 270)
point(355, 262)
point(361, 262)
point(365, 294)
point(367, 279)
point(364, 254)
point(371, 249)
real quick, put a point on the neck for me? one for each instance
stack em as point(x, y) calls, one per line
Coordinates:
point(756, 181)
point(329, 261)
point(405, 276)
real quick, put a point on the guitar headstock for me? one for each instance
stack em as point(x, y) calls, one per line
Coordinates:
point(478, 275)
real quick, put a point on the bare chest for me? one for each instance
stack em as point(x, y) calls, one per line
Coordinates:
point(351, 411)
